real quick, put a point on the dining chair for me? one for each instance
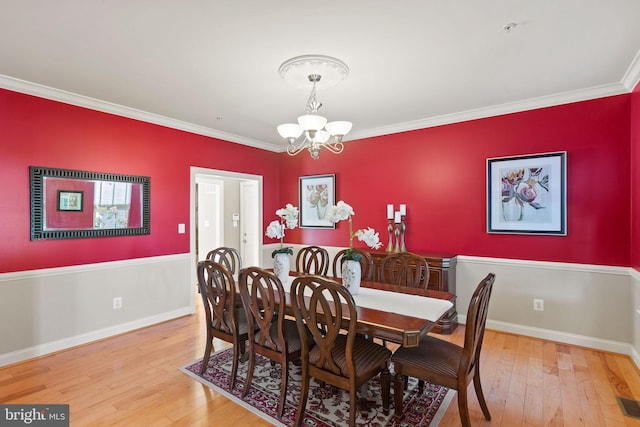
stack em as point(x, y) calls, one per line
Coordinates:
point(270, 333)
point(229, 257)
point(344, 360)
point(218, 291)
point(366, 263)
point(312, 260)
point(405, 269)
point(448, 364)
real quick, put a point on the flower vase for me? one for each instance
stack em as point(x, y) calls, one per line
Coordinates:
point(351, 275)
point(512, 210)
point(281, 267)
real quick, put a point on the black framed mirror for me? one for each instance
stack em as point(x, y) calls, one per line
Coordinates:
point(72, 204)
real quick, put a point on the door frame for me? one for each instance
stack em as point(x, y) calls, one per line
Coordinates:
point(194, 170)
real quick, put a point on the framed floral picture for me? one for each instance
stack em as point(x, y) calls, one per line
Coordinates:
point(317, 193)
point(527, 194)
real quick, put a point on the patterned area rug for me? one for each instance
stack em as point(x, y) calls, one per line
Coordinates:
point(326, 406)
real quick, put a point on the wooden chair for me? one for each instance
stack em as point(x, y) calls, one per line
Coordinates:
point(270, 333)
point(218, 291)
point(229, 257)
point(347, 361)
point(405, 269)
point(366, 263)
point(447, 364)
point(313, 260)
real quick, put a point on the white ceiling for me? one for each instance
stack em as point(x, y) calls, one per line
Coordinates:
point(211, 66)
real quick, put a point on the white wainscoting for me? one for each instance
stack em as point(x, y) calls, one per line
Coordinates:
point(587, 305)
point(48, 310)
point(635, 301)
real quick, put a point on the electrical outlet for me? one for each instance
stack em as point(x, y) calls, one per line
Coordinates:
point(538, 304)
point(117, 303)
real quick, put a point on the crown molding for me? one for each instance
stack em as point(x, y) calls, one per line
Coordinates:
point(632, 76)
point(495, 110)
point(42, 91)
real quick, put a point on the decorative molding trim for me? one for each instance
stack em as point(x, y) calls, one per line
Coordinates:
point(496, 110)
point(635, 356)
point(109, 265)
point(548, 265)
point(51, 347)
point(632, 76)
point(635, 274)
point(60, 95)
point(561, 337)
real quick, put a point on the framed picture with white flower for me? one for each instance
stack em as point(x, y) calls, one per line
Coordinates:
point(317, 194)
point(527, 194)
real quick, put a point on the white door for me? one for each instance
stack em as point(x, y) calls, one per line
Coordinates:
point(209, 230)
point(250, 223)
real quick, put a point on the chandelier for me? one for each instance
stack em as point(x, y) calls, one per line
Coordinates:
point(322, 71)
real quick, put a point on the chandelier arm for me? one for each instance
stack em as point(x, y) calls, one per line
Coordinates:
point(293, 149)
point(335, 148)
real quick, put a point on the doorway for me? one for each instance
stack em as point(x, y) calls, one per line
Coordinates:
point(226, 210)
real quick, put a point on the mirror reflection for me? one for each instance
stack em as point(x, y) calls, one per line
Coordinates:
point(68, 204)
point(82, 204)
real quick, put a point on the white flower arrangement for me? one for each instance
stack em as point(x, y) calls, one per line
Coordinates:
point(369, 236)
point(275, 230)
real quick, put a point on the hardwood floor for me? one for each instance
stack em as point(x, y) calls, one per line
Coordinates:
point(133, 380)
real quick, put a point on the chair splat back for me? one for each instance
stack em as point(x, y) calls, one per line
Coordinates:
point(224, 319)
point(263, 298)
point(475, 326)
point(271, 334)
point(445, 363)
point(312, 260)
point(229, 257)
point(215, 280)
point(344, 360)
point(405, 269)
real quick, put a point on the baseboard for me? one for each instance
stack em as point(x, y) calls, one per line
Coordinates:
point(562, 337)
point(51, 347)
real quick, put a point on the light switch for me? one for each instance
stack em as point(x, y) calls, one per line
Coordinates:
point(181, 228)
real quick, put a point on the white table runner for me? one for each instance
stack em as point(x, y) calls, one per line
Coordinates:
point(395, 302)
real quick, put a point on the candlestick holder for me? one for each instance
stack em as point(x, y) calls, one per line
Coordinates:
point(396, 244)
point(390, 230)
point(403, 230)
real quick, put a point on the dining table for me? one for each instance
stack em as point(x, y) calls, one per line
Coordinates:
point(393, 313)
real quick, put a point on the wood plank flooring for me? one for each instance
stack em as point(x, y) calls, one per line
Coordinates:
point(133, 380)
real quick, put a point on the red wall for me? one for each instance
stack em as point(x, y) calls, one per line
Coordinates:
point(440, 174)
point(41, 132)
point(65, 220)
point(635, 178)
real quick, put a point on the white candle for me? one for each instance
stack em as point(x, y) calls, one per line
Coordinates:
point(403, 210)
point(389, 211)
point(398, 218)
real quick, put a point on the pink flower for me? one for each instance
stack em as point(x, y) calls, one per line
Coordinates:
point(526, 193)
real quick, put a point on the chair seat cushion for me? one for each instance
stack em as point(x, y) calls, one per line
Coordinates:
point(291, 334)
point(432, 355)
point(241, 321)
point(368, 356)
